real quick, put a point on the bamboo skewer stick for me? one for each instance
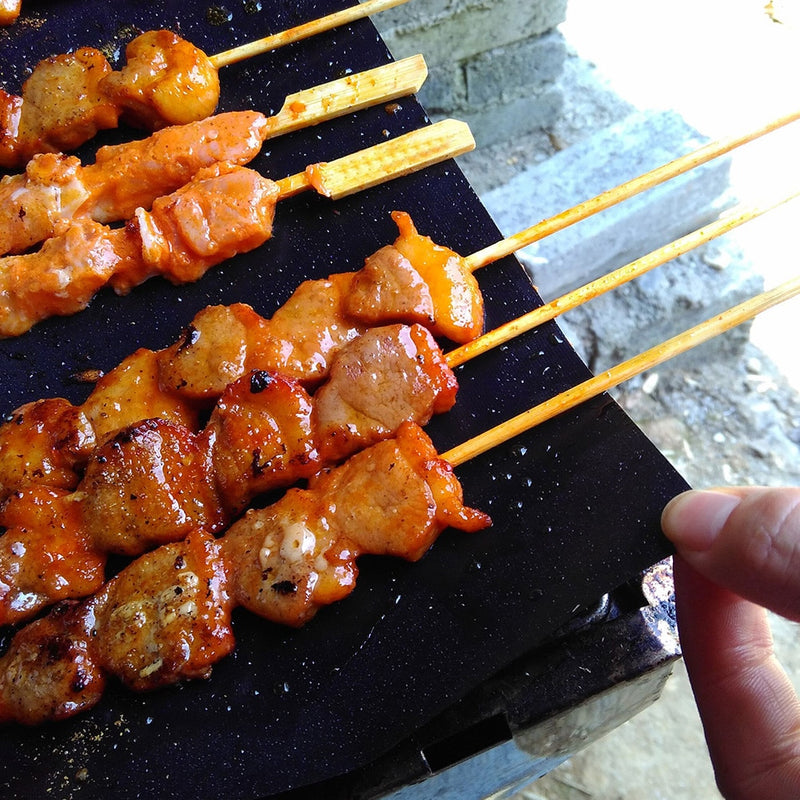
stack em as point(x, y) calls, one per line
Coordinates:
point(304, 31)
point(349, 94)
point(382, 162)
point(614, 279)
point(624, 191)
point(624, 371)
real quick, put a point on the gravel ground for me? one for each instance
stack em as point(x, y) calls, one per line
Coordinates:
point(732, 417)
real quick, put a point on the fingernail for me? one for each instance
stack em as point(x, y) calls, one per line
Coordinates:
point(693, 520)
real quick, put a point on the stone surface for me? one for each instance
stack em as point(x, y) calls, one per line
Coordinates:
point(454, 30)
point(492, 64)
point(609, 157)
point(493, 124)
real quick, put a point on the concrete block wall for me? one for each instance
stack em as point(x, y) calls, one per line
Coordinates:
point(493, 63)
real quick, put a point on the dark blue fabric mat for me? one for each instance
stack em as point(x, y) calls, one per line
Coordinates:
point(575, 503)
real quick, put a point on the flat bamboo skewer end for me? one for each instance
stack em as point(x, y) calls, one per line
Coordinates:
point(304, 31)
point(394, 158)
point(600, 383)
point(349, 94)
point(382, 162)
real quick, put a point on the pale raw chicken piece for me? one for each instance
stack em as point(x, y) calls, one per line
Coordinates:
point(44, 442)
point(123, 178)
point(131, 393)
point(166, 81)
point(45, 554)
point(49, 671)
point(50, 189)
point(59, 279)
point(260, 437)
point(149, 485)
point(223, 211)
point(133, 174)
point(62, 105)
point(166, 617)
point(384, 377)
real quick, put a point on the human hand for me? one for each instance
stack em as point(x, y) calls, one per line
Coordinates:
point(738, 552)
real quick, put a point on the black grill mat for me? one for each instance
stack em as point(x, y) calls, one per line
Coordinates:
point(575, 503)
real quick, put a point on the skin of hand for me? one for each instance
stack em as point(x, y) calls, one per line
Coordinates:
point(738, 553)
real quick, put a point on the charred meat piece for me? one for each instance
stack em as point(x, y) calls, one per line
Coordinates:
point(130, 393)
point(310, 327)
point(63, 105)
point(212, 352)
point(151, 484)
point(288, 560)
point(260, 437)
point(166, 616)
point(49, 671)
point(45, 553)
point(44, 442)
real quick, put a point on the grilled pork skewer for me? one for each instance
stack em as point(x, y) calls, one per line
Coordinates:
point(166, 617)
point(131, 175)
point(223, 211)
point(413, 281)
point(52, 670)
point(156, 481)
point(166, 81)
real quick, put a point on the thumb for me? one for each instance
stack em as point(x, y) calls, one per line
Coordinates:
point(744, 539)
